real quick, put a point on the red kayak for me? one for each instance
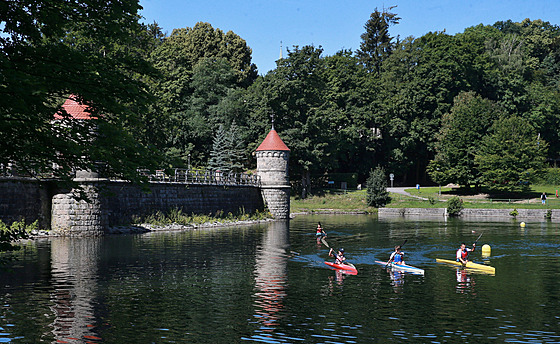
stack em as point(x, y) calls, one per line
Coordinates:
point(346, 267)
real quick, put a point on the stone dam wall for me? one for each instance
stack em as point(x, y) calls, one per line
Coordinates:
point(25, 198)
point(113, 203)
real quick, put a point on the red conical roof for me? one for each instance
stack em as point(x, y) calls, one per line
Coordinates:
point(273, 142)
point(75, 110)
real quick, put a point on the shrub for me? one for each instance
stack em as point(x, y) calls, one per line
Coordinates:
point(17, 230)
point(377, 194)
point(454, 206)
point(514, 213)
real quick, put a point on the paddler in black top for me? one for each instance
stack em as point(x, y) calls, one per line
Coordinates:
point(339, 256)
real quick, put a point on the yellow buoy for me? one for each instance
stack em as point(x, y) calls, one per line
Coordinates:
point(486, 249)
point(522, 224)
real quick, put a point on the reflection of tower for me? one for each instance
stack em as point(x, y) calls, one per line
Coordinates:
point(270, 274)
point(74, 279)
point(272, 167)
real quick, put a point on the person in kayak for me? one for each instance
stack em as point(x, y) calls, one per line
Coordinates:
point(320, 232)
point(463, 253)
point(397, 256)
point(339, 257)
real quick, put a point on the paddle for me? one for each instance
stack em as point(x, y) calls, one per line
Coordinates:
point(325, 242)
point(478, 238)
point(474, 244)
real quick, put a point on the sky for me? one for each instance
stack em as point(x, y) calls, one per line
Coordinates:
point(268, 25)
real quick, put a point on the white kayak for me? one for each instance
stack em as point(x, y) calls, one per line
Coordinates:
point(402, 267)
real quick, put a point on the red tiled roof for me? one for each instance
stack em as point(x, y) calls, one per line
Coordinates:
point(75, 110)
point(273, 142)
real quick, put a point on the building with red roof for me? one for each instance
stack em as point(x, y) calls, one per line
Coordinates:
point(272, 168)
point(75, 109)
point(273, 142)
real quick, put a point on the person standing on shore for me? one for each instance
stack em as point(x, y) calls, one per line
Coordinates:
point(543, 198)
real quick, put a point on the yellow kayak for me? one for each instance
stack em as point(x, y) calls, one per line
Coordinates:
point(469, 264)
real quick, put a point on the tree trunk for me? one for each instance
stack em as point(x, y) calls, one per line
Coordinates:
point(305, 184)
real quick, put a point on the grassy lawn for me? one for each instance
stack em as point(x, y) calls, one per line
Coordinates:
point(330, 199)
point(355, 200)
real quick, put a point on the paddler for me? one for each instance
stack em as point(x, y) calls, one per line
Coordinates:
point(320, 232)
point(397, 256)
point(339, 257)
point(463, 253)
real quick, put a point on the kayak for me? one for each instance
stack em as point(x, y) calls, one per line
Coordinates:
point(469, 265)
point(346, 267)
point(402, 267)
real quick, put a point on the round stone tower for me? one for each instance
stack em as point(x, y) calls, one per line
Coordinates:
point(272, 166)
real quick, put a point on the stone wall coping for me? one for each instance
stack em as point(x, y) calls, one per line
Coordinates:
point(275, 187)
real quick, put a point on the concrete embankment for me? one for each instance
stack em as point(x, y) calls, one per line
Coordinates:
point(467, 214)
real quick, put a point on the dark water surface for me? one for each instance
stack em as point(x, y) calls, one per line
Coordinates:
point(267, 283)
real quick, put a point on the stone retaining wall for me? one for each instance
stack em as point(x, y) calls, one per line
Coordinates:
point(117, 203)
point(530, 214)
point(25, 198)
point(123, 200)
point(112, 203)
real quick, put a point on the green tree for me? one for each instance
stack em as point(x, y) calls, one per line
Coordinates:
point(418, 83)
point(228, 151)
point(377, 194)
point(348, 106)
point(459, 139)
point(294, 92)
point(51, 49)
point(376, 43)
point(511, 155)
point(201, 67)
point(220, 151)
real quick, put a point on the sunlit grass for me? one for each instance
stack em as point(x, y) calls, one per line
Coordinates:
point(351, 200)
point(355, 200)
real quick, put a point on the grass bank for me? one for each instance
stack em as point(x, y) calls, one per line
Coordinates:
point(332, 200)
point(355, 200)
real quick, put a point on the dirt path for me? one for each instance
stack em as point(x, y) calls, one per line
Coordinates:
point(402, 191)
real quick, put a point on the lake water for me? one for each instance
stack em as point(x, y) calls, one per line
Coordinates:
point(268, 283)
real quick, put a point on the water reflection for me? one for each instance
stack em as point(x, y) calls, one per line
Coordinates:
point(270, 276)
point(74, 280)
point(465, 282)
point(338, 279)
point(397, 280)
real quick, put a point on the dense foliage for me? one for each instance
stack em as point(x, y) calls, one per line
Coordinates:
point(52, 49)
point(481, 107)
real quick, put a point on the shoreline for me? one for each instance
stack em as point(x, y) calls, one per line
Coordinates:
point(467, 213)
point(150, 228)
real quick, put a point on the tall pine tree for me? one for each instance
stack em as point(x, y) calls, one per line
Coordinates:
point(377, 44)
point(227, 153)
point(377, 194)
